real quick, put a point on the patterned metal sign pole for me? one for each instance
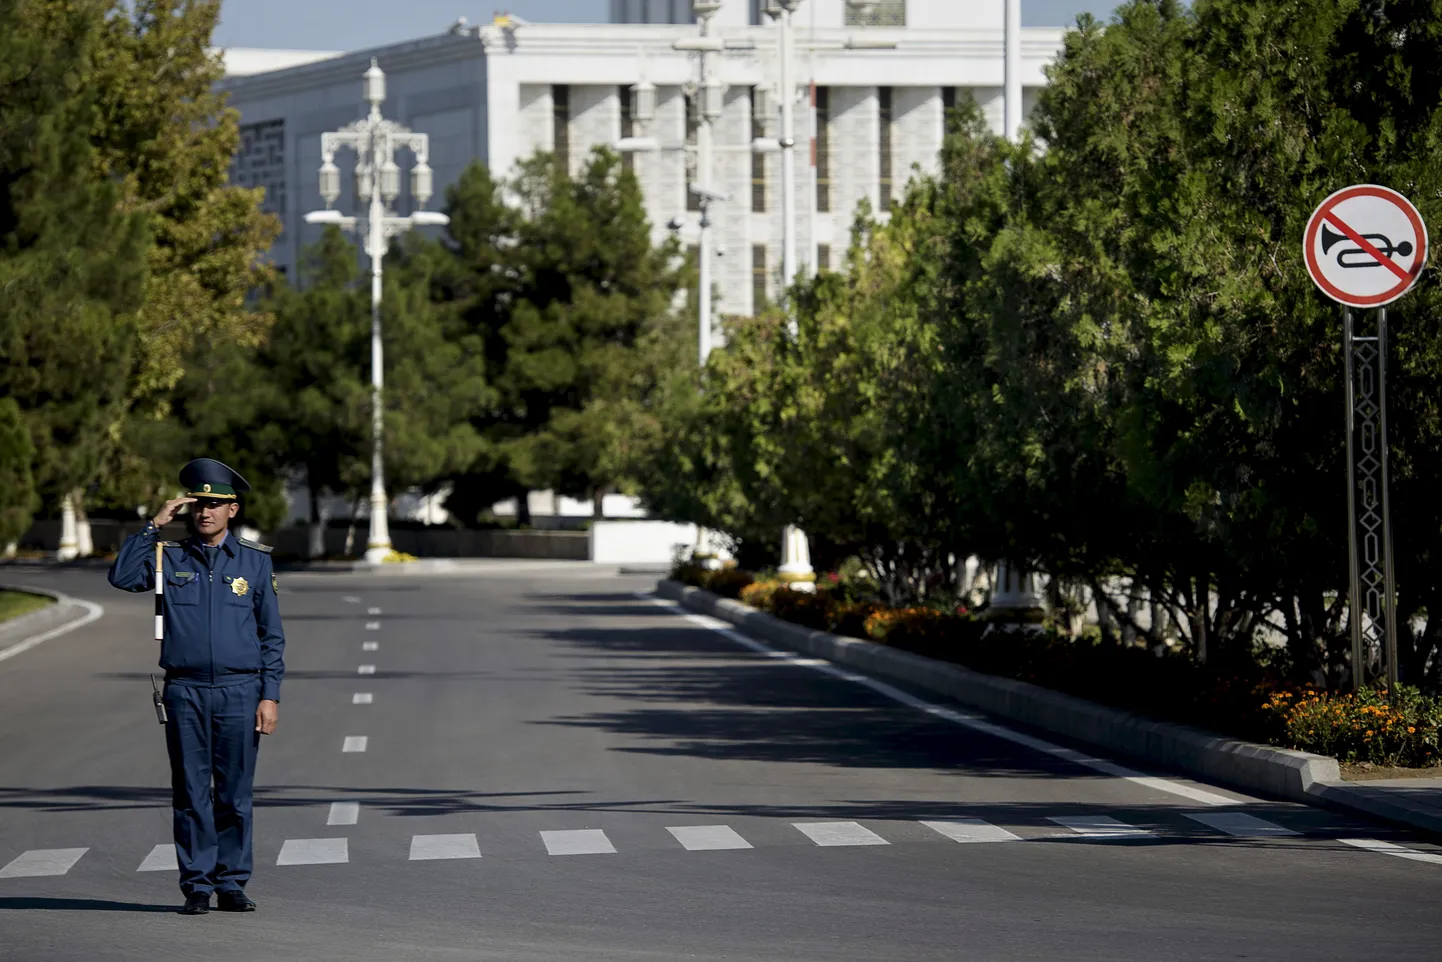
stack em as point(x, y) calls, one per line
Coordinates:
point(1365, 246)
point(1369, 516)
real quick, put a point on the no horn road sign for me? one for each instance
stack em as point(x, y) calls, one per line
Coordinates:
point(1365, 245)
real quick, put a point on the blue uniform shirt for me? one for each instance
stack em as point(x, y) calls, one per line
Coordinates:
point(222, 621)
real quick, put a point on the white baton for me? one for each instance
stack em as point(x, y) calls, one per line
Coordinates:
point(159, 591)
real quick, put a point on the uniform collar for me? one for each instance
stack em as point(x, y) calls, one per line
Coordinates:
point(227, 544)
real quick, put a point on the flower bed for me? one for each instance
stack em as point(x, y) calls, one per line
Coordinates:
point(1247, 701)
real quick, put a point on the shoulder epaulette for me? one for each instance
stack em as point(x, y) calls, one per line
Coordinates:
point(256, 545)
point(171, 544)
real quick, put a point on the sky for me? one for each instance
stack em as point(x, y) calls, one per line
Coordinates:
point(356, 24)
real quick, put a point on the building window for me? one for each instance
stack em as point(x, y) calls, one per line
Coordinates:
point(758, 161)
point(260, 162)
point(693, 125)
point(561, 124)
point(823, 257)
point(758, 278)
point(883, 104)
point(628, 124)
point(823, 149)
point(885, 13)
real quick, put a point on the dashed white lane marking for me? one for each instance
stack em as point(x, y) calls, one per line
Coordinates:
point(1240, 824)
point(42, 861)
point(355, 743)
point(428, 847)
point(362, 698)
point(373, 611)
point(366, 670)
point(343, 813)
point(1388, 848)
point(314, 851)
point(579, 841)
point(1100, 826)
point(708, 838)
point(370, 646)
point(373, 626)
point(965, 719)
point(972, 830)
point(161, 859)
point(352, 599)
point(839, 833)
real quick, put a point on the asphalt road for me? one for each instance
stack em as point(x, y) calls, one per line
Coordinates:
point(720, 802)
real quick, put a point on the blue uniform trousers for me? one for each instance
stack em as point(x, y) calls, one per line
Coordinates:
point(213, 745)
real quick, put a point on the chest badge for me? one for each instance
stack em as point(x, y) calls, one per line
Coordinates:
point(240, 586)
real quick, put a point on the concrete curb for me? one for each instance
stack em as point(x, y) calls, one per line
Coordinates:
point(21, 634)
point(1245, 766)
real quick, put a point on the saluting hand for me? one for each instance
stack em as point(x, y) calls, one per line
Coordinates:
point(166, 514)
point(267, 714)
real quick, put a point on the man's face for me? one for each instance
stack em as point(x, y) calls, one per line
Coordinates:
point(210, 516)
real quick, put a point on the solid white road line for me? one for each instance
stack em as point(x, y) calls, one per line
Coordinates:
point(314, 851)
point(366, 670)
point(708, 838)
point(1100, 826)
point(370, 646)
point(427, 847)
point(161, 859)
point(42, 861)
point(1386, 848)
point(579, 841)
point(343, 813)
point(373, 626)
point(92, 612)
point(965, 719)
point(1240, 824)
point(352, 599)
point(362, 698)
point(354, 743)
point(373, 611)
point(971, 830)
point(839, 833)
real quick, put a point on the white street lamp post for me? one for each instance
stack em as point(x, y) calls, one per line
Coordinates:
point(795, 552)
point(378, 178)
point(1015, 586)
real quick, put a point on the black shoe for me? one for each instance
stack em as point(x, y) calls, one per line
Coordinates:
point(197, 903)
point(234, 901)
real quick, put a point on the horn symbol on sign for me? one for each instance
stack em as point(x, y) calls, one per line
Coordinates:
point(1348, 256)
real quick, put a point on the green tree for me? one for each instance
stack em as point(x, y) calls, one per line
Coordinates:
point(17, 486)
point(72, 262)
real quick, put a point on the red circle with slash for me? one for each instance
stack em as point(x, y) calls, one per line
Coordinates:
point(1365, 245)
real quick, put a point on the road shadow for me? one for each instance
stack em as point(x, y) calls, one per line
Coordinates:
point(31, 904)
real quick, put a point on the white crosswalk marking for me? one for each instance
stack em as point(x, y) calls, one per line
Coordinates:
point(1388, 848)
point(42, 861)
point(343, 813)
point(160, 859)
point(1240, 824)
point(362, 698)
point(578, 841)
point(373, 626)
point(366, 670)
point(355, 743)
point(971, 830)
point(352, 599)
point(1100, 826)
point(373, 611)
point(427, 847)
point(314, 851)
point(839, 833)
point(370, 646)
point(708, 838)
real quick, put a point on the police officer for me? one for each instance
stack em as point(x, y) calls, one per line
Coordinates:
point(222, 656)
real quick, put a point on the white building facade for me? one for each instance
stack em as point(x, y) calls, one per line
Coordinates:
point(500, 92)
